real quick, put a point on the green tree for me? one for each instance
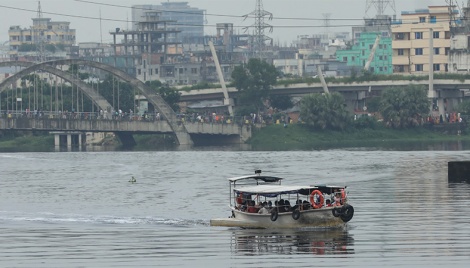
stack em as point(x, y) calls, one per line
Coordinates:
point(171, 96)
point(325, 111)
point(254, 81)
point(404, 107)
point(281, 102)
point(464, 107)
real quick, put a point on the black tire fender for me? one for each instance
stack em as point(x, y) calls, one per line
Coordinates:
point(274, 215)
point(336, 212)
point(348, 213)
point(296, 214)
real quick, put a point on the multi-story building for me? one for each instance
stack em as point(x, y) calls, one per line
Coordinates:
point(151, 44)
point(378, 24)
point(459, 56)
point(45, 38)
point(359, 53)
point(188, 20)
point(411, 40)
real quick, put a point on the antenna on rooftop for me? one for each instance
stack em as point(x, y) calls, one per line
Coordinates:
point(39, 10)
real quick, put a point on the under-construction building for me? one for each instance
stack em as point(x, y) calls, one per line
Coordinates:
point(151, 44)
point(188, 20)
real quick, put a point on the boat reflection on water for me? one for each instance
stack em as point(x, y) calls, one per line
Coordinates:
point(317, 242)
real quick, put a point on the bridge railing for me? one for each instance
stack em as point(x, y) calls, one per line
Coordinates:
point(116, 116)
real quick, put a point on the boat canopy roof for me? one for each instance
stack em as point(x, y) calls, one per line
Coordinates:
point(274, 190)
point(256, 177)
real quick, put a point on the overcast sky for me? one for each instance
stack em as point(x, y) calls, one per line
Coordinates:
point(20, 12)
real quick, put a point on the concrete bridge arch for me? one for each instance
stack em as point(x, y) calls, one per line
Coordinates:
point(154, 98)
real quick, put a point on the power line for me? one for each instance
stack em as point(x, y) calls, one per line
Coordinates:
point(198, 25)
point(209, 14)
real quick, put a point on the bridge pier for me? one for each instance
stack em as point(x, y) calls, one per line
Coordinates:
point(126, 139)
point(69, 140)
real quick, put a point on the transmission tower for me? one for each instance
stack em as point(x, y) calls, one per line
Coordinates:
point(39, 29)
point(259, 38)
point(326, 23)
point(381, 6)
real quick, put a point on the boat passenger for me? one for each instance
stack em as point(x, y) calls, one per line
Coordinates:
point(328, 203)
point(287, 206)
point(306, 205)
point(263, 209)
point(338, 200)
point(281, 206)
point(297, 206)
point(251, 207)
point(270, 206)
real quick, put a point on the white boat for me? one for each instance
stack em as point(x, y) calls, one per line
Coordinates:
point(319, 206)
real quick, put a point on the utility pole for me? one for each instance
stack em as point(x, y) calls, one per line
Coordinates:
point(259, 38)
point(431, 64)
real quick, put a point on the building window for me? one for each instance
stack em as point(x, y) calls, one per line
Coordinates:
point(345, 59)
point(381, 46)
point(422, 19)
point(156, 70)
point(363, 44)
point(353, 58)
point(381, 57)
point(447, 50)
point(139, 72)
point(436, 51)
point(363, 53)
point(436, 67)
point(399, 36)
point(401, 52)
point(385, 46)
point(433, 19)
point(385, 57)
point(381, 69)
point(435, 35)
point(194, 70)
point(419, 67)
point(419, 35)
point(418, 51)
point(180, 70)
point(447, 35)
point(386, 68)
point(150, 72)
point(371, 46)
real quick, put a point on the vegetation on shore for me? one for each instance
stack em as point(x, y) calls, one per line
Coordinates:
point(26, 142)
point(304, 137)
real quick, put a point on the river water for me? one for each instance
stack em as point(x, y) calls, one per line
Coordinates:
point(77, 209)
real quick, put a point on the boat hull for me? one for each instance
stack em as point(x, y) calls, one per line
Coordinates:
point(317, 218)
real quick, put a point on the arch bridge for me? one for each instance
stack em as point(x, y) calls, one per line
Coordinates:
point(170, 122)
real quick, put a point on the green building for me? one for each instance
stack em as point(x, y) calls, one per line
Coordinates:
point(358, 55)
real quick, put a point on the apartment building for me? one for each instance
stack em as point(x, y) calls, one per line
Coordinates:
point(45, 34)
point(358, 55)
point(411, 40)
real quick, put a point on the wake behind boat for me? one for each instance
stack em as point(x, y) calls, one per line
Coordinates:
point(259, 201)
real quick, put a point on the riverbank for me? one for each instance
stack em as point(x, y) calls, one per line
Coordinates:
point(26, 142)
point(274, 138)
point(301, 137)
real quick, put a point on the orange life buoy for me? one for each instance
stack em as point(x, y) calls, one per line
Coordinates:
point(312, 199)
